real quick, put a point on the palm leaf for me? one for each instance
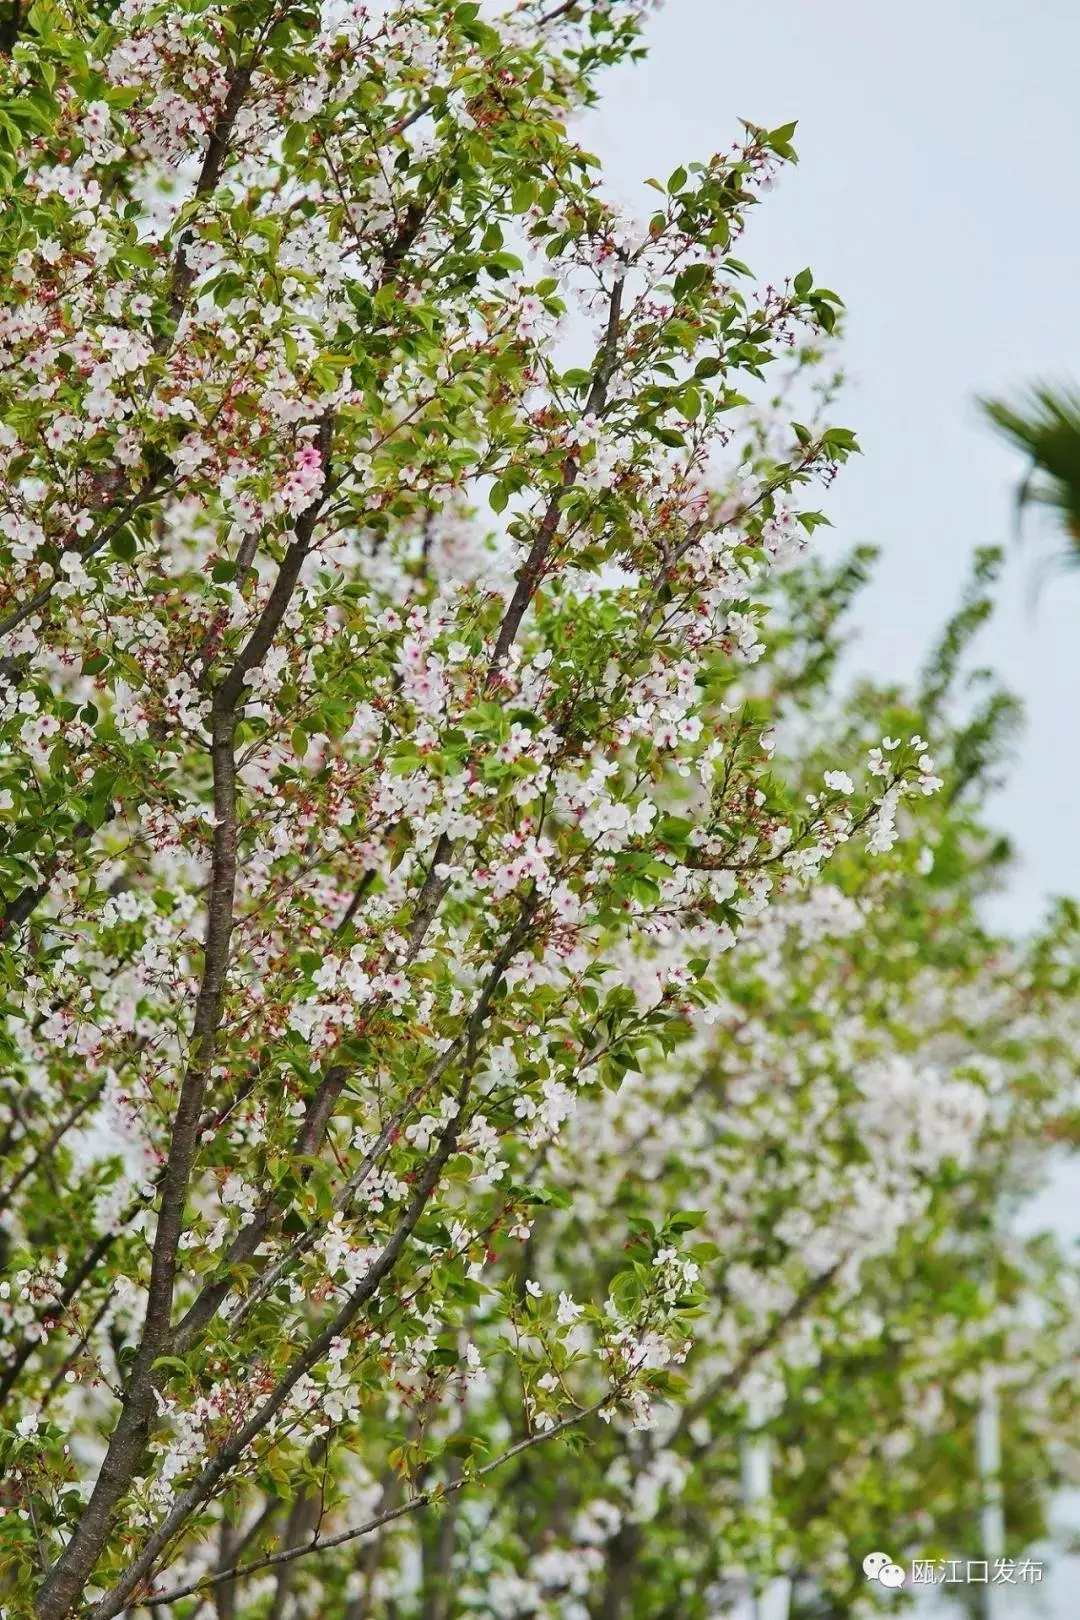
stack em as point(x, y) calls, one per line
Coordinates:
point(1045, 426)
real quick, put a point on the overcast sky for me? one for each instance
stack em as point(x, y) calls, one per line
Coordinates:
point(937, 193)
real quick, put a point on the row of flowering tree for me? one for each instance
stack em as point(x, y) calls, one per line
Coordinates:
point(471, 1018)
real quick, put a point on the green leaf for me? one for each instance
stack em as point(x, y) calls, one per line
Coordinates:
point(123, 545)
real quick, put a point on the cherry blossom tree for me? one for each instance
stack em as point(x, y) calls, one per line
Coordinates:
point(445, 1013)
point(872, 1081)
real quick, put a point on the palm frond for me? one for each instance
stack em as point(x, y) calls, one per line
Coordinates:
point(1045, 426)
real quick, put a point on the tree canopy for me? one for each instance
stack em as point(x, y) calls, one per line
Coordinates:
point(486, 1015)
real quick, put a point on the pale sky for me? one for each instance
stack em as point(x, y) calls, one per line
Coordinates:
point(939, 145)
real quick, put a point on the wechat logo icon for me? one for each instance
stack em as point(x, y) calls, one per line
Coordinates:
point(878, 1566)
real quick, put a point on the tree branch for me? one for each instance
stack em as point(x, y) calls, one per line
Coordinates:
point(306, 1239)
point(128, 1440)
point(324, 1543)
point(153, 488)
point(529, 577)
point(247, 1240)
point(51, 1141)
point(206, 1481)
